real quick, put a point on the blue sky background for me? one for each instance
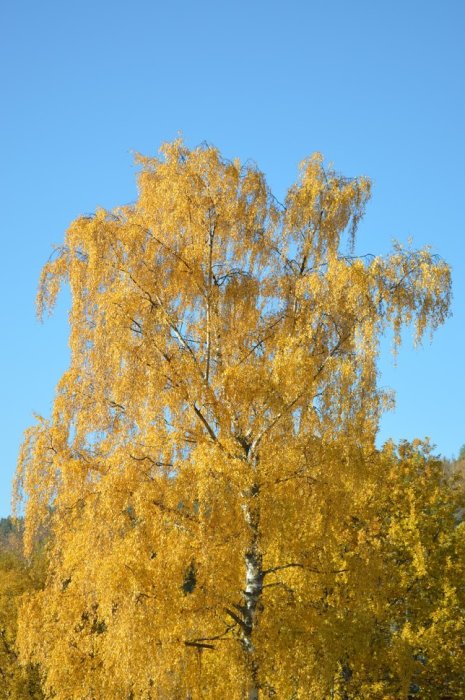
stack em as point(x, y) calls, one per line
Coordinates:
point(378, 87)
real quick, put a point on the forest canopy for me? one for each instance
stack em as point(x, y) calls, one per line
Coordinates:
point(220, 520)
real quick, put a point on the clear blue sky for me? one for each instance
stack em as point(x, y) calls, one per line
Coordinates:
point(378, 87)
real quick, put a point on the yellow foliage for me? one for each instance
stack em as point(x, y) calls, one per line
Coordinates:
point(208, 474)
point(17, 577)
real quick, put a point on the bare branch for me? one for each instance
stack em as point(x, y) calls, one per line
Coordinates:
point(204, 421)
point(152, 461)
point(237, 619)
point(200, 641)
point(199, 645)
point(295, 565)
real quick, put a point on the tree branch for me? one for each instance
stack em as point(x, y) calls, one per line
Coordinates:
point(296, 565)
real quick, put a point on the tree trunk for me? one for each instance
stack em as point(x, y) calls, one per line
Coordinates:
point(253, 589)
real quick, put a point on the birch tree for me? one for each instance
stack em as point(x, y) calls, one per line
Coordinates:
point(213, 433)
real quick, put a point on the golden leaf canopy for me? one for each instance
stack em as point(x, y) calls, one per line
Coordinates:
point(208, 474)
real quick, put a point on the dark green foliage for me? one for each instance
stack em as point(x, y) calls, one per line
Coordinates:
point(190, 579)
